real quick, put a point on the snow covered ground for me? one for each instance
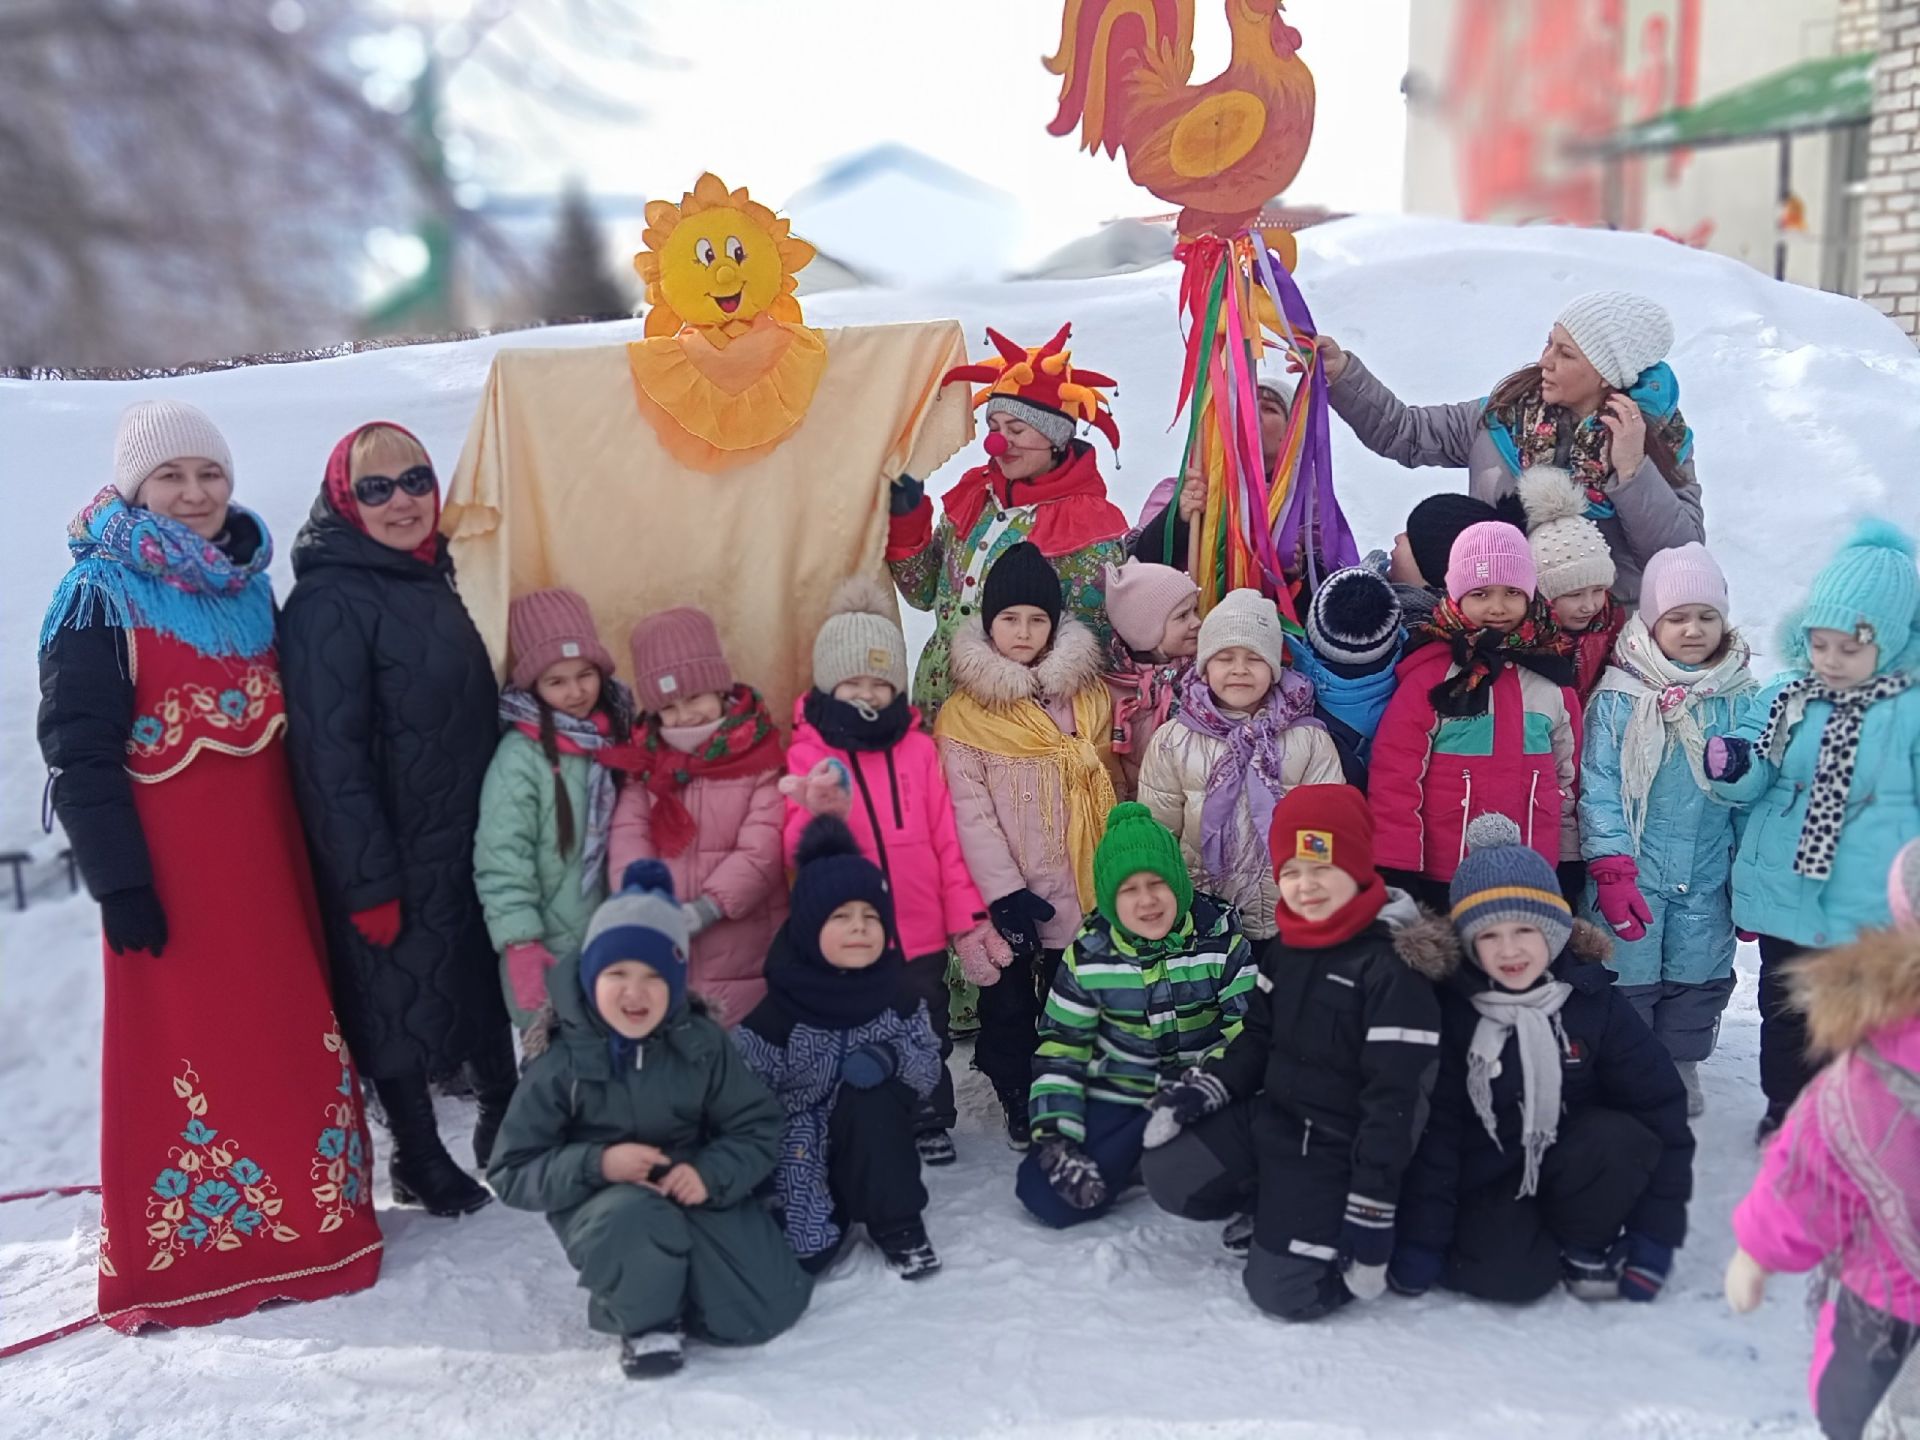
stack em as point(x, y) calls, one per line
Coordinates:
point(1807, 409)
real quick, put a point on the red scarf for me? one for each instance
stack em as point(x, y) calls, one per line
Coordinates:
point(339, 488)
point(1338, 928)
point(745, 744)
point(1072, 510)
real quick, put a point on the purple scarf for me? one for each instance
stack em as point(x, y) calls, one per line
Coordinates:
point(1252, 765)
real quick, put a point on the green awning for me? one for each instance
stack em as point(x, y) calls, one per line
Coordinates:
point(1819, 94)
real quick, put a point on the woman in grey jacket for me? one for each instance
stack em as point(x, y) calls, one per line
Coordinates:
point(1600, 402)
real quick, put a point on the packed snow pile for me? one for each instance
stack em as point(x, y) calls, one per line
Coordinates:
point(1806, 409)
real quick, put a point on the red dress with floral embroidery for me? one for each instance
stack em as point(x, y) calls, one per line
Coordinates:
point(233, 1147)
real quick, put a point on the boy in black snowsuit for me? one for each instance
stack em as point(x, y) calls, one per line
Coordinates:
point(1313, 1111)
point(1558, 1148)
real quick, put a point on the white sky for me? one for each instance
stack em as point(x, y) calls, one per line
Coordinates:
point(768, 92)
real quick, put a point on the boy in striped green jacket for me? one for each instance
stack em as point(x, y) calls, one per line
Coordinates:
point(1156, 980)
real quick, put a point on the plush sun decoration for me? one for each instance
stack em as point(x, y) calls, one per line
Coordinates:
point(716, 260)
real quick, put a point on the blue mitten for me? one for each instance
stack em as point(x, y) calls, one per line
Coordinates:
point(866, 1066)
point(1414, 1269)
point(1366, 1239)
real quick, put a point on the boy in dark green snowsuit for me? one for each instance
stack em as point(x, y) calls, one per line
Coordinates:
point(641, 1133)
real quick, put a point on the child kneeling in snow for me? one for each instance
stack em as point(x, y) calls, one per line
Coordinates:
point(850, 1056)
point(1839, 1187)
point(1312, 1113)
point(1558, 1146)
point(641, 1133)
point(1156, 981)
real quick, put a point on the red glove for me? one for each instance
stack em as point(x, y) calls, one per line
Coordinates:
point(1616, 878)
point(527, 966)
point(1747, 935)
point(380, 925)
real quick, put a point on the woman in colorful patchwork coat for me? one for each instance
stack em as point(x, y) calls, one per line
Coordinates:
point(233, 1154)
point(1600, 402)
point(1039, 483)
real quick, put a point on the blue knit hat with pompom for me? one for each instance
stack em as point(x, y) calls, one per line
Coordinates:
point(1870, 590)
point(1504, 882)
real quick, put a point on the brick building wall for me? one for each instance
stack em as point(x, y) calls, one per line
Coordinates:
point(1890, 208)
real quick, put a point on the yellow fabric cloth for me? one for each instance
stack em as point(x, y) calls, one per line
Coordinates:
point(1024, 733)
point(564, 482)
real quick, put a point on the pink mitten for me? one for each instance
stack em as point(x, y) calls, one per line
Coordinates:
point(527, 966)
point(823, 790)
point(983, 954)
point(1616, 878)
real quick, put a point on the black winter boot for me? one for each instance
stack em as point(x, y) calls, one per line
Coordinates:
point(494, 1077)
point(1014, 1102)
point(908, 1250)
point(420, 1169)
point(653, 1355)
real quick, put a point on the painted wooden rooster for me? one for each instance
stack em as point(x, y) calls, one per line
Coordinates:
point(1219, 150)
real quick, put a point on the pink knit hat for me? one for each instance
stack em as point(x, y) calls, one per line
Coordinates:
point(1490, 553)
point(1903, 887)
point(1141, 596)
point(677, 655)
point(1684, 575)
point(547, 626)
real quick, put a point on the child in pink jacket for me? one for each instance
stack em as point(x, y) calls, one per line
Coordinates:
point(705, 798)
point(1839, 1185)
point(859, 753)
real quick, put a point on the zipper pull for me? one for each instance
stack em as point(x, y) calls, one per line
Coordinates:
point(46, 801)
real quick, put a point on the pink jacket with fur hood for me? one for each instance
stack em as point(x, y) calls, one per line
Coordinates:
point(736, 861)
point(902, 815)
point(1012, 814)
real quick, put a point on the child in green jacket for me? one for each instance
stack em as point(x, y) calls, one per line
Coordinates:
point(641, 1133)
point(539, 857)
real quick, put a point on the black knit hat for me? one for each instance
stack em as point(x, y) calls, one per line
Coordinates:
point(1354, 619)
point(1021, 576)
point(831, 871)
point(1435, 523)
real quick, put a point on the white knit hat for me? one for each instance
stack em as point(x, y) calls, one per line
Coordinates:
point(1243, 617)
point(1620, 333)
point(859, 637)
point(152, 432)
point(1569, 552)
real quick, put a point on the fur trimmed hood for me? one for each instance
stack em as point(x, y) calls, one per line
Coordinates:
point(1072, 663)
point(1426, 944)
point(1851, 992)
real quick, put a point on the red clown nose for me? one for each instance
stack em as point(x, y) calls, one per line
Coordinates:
point(996, 444)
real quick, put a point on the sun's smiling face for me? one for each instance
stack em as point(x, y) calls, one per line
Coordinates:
point(717, 260)
point(719, 266)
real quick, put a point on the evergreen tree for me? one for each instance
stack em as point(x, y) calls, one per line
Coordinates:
point(579, 286)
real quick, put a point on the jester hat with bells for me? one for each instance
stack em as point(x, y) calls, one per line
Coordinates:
point(1038, 384)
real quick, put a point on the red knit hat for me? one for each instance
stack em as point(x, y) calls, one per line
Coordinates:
point(677, 655)
point(1042, 376)
point(1327, 823)
point(548, 626)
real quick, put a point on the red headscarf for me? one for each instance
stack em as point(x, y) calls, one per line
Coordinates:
point(340, 496)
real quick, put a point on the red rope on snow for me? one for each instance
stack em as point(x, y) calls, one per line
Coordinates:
point(20, 1347)
point(49, 1190)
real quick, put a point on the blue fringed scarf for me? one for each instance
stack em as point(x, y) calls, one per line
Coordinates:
point(132, 567)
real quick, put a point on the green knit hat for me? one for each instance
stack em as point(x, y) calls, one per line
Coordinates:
point(1134, 842)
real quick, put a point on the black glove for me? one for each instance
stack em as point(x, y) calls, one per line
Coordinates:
point(1071, 1172)
point(1194, 1096)
point(1415, 1269)
point(1728, 759)
point(904, 495)
point(1366, 1239)
point(134, 920)
point(1018, 917)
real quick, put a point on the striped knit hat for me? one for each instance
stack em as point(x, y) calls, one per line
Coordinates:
point(642, 922)
point(1503, 882)
point(1355, 618)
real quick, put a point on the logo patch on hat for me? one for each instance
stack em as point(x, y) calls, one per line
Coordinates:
point(668, 685)
point(570, 651)
point(1313, 845)
point(1481, 570)
point(879, 659)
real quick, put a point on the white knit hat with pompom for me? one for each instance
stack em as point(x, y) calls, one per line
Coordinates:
point(1569, 552)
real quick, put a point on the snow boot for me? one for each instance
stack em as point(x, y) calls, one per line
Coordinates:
point(1690, 1077)
point(1237, 1238)
point(935, 1147)
point(495, 1078)
point(1589, 1274)
point(1014, 1102)
point(421, 1171)
point(908, 1250)
point(653, 1355)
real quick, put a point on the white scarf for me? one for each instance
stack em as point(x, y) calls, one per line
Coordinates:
point(1532, 1018)
point(1666, 695)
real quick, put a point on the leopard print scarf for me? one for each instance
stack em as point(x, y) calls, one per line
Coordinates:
point(1832, 766)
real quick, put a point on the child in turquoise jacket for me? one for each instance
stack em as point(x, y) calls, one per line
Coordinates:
point(1658, 847)
point(1824, 760)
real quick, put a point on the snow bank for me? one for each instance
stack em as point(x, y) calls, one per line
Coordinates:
point(1806, 408)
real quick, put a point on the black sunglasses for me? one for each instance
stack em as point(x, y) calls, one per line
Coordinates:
point(377, 490)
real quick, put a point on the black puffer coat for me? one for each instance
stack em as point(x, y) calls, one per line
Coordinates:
point(391, 707)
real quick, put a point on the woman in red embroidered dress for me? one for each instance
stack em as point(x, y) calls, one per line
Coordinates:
point(234, 1157)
